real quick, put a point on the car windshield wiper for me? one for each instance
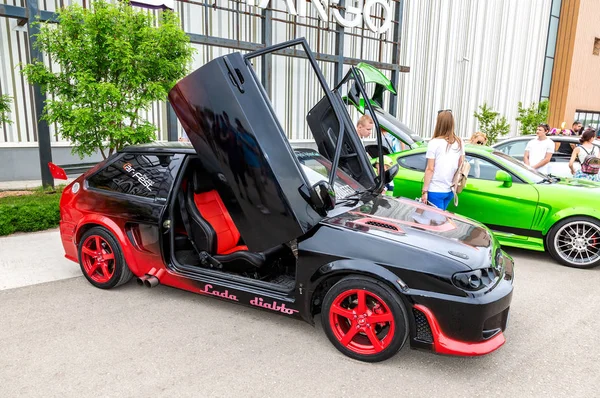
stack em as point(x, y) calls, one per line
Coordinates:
point(550, 179)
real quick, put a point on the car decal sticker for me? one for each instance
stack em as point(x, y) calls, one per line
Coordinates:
point(208, 289)
point(258, 302)
point(442, 225)
point(141, 178)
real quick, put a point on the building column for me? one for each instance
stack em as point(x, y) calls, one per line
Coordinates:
point(43, 130)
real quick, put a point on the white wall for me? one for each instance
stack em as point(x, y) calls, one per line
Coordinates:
point(464, 52)
point(504, 41)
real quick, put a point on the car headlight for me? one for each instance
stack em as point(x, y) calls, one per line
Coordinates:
point(475, 280)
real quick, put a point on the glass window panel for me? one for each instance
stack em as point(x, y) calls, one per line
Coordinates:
point(556, 7)
point(547, 77)
point(552, 31)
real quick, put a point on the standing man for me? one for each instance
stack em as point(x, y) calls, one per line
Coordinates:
point(539, 150)
point(577, 128)
point(364, 126)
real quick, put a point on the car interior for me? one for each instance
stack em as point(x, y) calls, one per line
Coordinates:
point(204, 234)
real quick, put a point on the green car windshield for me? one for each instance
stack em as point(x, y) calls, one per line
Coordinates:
point(523, 169)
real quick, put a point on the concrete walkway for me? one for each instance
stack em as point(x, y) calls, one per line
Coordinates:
point(22, 185)
point(29, 259)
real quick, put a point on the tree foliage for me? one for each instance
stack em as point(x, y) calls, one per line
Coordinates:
point(114, 61)
point(491, 123)
point(530, 118)
point(4, 110)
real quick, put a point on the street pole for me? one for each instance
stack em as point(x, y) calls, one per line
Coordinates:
point(39, 98)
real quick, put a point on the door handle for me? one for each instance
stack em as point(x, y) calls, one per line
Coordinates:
point(234, 74)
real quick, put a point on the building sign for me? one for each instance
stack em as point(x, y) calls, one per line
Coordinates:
point(356, 12)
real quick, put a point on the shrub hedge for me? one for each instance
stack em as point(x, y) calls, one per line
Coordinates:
point(29, 213)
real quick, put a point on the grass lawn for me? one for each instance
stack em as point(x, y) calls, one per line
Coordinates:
point(29, 211)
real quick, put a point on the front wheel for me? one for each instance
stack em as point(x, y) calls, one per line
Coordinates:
point(365, 319)
point(575, 242)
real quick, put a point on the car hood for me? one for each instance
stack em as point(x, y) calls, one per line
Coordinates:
point(576, 182)
point(409, 222)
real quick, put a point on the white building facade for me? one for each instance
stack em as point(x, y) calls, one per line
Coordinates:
point(461, 53)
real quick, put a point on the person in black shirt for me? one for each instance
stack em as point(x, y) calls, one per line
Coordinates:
point(577, 128)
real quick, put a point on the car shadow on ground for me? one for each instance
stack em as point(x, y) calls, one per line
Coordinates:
point(315, 341)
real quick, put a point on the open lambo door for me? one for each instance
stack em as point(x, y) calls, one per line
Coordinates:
point(240, 143)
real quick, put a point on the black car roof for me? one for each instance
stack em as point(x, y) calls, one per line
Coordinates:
point(162, 147)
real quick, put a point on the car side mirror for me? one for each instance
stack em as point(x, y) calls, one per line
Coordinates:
point(323, 197)
point(391, 173)
point(504, 177)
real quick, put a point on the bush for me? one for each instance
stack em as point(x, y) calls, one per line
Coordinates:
point(491, 124)
point(29, 213)
point(530, 118)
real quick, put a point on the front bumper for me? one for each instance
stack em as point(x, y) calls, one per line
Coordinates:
point(466, 326)
point(443, 344)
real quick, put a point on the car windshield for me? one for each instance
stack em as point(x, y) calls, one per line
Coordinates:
point(317, 168)
point(524, 170)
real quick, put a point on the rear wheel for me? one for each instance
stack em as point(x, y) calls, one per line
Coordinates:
point(575, 242)
point(365, 319)
point(101, 259)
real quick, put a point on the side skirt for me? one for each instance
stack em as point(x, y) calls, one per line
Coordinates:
point(519, 241)
point(232, 288)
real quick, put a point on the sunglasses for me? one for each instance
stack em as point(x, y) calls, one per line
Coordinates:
point(445, 110)
point(480, 143)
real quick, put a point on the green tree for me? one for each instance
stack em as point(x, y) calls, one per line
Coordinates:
point(530, 118)
point(491, 124)
point(114, 61)
point(4, 110)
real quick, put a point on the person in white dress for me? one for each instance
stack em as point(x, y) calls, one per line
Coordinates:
point(445, 152)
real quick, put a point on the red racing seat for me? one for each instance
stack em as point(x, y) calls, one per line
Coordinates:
point(212, 229)
point(213, 210)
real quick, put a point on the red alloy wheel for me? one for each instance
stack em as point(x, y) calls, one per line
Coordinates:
point(362, 321)
point(98, 259)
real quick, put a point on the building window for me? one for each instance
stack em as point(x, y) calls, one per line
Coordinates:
point(588, 118)
point(596, 46)
point(550, 49)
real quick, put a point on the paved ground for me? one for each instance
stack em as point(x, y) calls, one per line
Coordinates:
point(68, 339)
point(33, 258)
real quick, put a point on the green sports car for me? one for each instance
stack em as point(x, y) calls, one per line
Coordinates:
point(524, 208)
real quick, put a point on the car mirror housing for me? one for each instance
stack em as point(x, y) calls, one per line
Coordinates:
point(391, 173)
point(323, 197)
point(504, 177)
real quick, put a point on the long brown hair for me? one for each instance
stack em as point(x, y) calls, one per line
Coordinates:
point(444, 128)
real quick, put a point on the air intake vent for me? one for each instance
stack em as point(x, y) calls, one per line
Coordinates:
point(422, 326)
point(380, 224)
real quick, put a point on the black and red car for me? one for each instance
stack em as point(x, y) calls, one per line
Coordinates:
point(241, 216)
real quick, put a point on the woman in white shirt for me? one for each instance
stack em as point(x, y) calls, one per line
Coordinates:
point(444, 154)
